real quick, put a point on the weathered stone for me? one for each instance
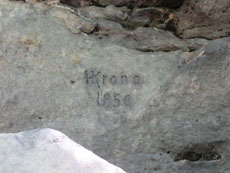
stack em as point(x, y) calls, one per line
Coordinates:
point(196, 43)
point(205, 19)
point(48, 151)
point(110, 12)
point(114, 25)
point(153, 17)
point(142, 39)
point(136, 109)
point(45, 80)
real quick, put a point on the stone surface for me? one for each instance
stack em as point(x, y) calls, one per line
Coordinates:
point(206, 19)
point(155, 103)
point(116, 25)
point(130, 19)
point(43, 81)
point(48, 151)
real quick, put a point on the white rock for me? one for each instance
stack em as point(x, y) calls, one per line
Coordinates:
point(48, 151)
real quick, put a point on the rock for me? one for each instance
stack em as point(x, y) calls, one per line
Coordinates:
point(47, 150)
point(201, 110)
point(152, 39)
point(49, 2)
point(205, 19)
point(128, 3)
point(141, 3)
point(115, 25)
point(110, 12)
point(78, 3)
point(130, 19)
point(119, 92)
point(196, 43)
point(219, 46)
point(153, 17)
point(45, 80)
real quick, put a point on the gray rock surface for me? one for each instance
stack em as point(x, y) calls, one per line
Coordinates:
point(48, 151)
point(126, 101)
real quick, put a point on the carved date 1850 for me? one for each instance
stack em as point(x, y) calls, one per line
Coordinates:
point(113, 100)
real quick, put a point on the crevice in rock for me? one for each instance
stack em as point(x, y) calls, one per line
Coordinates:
point(79, 3)
point(95, 30)
point(172, 4)
point(146, 50)
point(198, 153)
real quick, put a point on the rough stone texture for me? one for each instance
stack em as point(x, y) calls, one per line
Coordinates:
point(206, 19)
point(42, 84)
point(129, 31)
point(141, 112)
point(128, 3)
point(130, 19)
point(148, 17)
point(48, 151)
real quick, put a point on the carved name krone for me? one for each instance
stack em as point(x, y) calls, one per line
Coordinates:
point(116, 97)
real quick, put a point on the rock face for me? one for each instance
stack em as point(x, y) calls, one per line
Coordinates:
point(48, 151)
point(206, 19)
point(186, 18)
point(141, 98)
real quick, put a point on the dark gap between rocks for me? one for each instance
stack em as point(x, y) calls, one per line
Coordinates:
point(131, 4)
point(198, 153)
point(72, 82)
point(158, 50)
point(80, 3)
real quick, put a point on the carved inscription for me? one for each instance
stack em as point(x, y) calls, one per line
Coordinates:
point(114, 99)
point(98, 79)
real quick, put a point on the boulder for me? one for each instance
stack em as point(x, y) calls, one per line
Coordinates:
point(204, 19)
point(48, 151)
point(146, 100)
point(55, 75)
